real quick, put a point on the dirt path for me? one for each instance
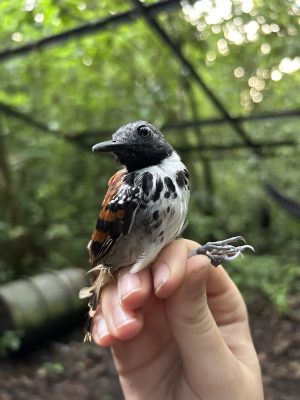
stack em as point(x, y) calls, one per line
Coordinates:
point(278, 344)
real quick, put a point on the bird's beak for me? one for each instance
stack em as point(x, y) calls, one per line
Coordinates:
point(109, 145)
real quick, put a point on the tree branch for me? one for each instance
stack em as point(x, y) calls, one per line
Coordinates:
point(87, 29)
point(235, 146)
point(197, 77)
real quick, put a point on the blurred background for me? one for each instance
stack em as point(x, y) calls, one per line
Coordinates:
point(221, 80)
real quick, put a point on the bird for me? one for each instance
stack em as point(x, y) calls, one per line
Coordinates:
point(144, 209)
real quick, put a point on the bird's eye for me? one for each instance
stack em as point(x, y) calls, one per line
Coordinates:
point(144, 132)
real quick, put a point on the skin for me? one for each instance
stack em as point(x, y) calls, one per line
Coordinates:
point(179, 330)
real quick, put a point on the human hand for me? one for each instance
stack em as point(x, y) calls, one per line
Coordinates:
point(179, 331)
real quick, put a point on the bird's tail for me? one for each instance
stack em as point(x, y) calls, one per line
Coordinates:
point(101, 276)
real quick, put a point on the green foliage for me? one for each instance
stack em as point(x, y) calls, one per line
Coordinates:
point(10, 341)
point(273, 277)
point(51, 369)
point(50, 188)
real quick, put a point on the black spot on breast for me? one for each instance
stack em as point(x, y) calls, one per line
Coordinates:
point(156, 215)
point(162, 239)
point(186, 173)
point(158, 189)
point(161, 233)
point(147, 182)
point(167, 195)
point(181, 179)
point(168, 209)
point(169, 183)
point(174, 195)
point(158, 224)
point(135, 191)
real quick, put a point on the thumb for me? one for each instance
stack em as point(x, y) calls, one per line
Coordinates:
point(203, 351)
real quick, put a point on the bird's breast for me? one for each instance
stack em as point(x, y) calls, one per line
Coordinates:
point(160, 217)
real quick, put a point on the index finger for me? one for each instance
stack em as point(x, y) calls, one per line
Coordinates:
point(169, 268)
point(224, 299)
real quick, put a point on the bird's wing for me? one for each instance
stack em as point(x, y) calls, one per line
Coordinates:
point(116, 215)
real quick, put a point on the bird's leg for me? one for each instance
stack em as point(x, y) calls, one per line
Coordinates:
point(222, 250)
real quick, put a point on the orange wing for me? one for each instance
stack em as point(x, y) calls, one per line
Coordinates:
point(116, 215)
point(105, 213)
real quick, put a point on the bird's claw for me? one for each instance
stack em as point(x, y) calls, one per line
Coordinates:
point(222, 250)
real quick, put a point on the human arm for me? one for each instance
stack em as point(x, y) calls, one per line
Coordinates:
point(179, 331)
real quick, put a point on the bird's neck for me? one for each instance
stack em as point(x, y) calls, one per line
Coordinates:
point(170, 165)
point(135, 162)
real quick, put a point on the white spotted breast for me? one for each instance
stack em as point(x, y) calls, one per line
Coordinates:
point(160, 217)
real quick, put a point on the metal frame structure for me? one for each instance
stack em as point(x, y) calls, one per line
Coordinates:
point(148, 13)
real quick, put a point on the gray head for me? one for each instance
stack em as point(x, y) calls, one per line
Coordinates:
point(137, 145)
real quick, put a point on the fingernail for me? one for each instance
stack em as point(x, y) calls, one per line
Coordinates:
point(101, 330)
point(162, 275)
point(129, 283)
point(120, 317)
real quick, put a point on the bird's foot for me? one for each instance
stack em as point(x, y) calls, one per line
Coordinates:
point(222, 250)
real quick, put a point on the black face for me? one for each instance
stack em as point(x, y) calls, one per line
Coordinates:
point(137, 145)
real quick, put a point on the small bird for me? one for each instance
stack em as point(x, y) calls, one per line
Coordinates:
point(144, 209)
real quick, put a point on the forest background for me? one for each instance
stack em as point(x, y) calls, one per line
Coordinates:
point(61, 95)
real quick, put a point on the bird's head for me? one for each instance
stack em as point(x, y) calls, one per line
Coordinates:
point(137, 145)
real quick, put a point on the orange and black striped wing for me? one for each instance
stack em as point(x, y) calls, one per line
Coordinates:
point(116, 215)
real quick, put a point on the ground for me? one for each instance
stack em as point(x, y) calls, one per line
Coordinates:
point(74, 370)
